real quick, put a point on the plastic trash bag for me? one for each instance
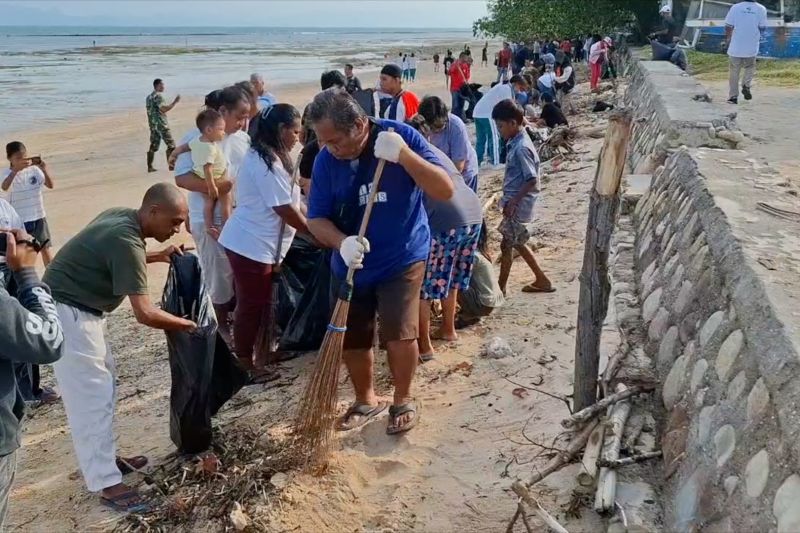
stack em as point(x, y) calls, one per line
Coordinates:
point(304, 308)
point(204, 372)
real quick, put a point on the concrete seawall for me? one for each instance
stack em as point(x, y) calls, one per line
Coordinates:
point(713, 325)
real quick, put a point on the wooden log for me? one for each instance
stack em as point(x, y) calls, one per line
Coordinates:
point(607, 480)
point(632, 460)
point(595, 286)
point(526, 497)
point(563, 459)
point(593, 410)
point(588, 474)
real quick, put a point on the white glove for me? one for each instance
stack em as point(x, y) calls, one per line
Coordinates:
point(388, 146)
point(352, 251)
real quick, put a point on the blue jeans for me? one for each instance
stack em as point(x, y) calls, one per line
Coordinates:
point(8, 466)
point(458, 104)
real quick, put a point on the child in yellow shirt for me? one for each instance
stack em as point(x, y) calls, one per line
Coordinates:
point(210, 164)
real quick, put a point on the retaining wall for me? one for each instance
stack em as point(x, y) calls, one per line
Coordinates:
point(719, 334)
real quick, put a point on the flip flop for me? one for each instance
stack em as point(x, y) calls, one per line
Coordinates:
point(125, 463)
point(396, 411)
point(425, 358)
point(365, 411)
point(260, 377)
point(129, 501)
point(531, 288)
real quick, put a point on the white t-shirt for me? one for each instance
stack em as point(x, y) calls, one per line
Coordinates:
point(25, 193)
point(9, 219)
point(234, 146)
point(412, 62)
point(253, 229)
point(495, 95)
point(747, 19)
point(547, 79)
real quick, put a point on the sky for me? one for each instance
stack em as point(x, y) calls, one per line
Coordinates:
point(294, 13)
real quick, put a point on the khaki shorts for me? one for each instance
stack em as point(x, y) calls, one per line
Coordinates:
point(514, 232)
point(395, 301)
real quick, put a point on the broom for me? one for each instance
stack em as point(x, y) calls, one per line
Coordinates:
point(317, 411)
point(266, 344)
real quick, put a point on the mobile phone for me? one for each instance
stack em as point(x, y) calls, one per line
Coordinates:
point(36, 160)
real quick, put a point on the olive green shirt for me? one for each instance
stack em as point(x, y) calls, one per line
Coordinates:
point(155, 118)
point(102, 264)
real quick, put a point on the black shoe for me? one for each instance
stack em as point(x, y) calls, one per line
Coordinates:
point(746, 92)
point(733, 100)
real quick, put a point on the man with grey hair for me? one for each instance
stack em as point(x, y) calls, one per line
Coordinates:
point(390, 260)
point(265, 99)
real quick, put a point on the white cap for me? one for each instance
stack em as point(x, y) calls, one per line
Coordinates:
point(608, 40)
point(665, 9)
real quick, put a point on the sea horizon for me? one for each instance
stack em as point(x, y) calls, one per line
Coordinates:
point(77, 70)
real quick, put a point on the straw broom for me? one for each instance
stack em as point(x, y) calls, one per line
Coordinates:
point(266, 343)
point(317, 413)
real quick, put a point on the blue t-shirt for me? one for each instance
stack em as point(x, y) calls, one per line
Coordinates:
point(454, 141)
point(522, 166)
point(398, 231)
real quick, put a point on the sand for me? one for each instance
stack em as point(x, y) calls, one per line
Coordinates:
point(451, 473)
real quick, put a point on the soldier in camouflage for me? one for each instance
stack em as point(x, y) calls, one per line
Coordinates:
point(157, 110)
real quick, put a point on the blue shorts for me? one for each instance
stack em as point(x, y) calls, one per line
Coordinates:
point(450, 261)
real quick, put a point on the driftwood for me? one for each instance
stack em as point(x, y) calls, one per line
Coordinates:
point(565, 457)
point(591, 455)
point(593, 410)
point(595, 132)
point(627, 461)
point(595, 286)
point(607, 480)
point(526, 497)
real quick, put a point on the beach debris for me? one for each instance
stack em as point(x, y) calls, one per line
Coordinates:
point(279, 480)
point(464, 367)
point(520, 392)
point(239, 519)
point(498, 348)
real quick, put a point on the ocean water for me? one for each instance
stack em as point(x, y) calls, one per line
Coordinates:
point(51, 74)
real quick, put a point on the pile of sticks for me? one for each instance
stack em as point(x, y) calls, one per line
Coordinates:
point(190, 492)
point(596, 434)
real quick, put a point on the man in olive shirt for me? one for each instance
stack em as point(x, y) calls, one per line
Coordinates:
point(91, 275)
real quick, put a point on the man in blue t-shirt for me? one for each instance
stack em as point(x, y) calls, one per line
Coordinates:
point(390, 260)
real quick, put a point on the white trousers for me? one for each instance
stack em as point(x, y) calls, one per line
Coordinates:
point(85, 375)
point(217, 273)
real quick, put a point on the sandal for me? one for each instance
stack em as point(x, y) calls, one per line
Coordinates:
point(396, 411)
point(129, 501)
point(127, 465)
point(425, 358)
point(531, 288)
point(365, 411)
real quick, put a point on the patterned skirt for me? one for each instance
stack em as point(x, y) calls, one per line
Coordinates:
point(450, 261)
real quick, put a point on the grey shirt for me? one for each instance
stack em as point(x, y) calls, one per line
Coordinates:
point(522, 166)
point(464, 208)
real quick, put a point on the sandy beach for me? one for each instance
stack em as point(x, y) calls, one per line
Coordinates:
point(477, 429)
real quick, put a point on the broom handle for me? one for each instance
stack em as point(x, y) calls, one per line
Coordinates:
point(373, 194)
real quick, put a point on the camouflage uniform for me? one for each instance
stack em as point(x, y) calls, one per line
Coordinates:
point(159, 128)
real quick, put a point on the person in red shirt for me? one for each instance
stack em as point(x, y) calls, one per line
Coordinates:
point(566, 47)
point(405, 104)
point(460, 74)
point(504, 63)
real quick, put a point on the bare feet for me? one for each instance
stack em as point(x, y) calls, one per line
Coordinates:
point(214, 232)
point(440, 335)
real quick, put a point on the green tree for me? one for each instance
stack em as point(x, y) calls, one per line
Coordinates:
point(523, 19)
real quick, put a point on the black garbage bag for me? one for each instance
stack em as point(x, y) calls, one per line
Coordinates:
point(303, 309)
point(204, 372)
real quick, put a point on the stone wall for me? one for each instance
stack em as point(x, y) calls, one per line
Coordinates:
point(672, 109)
point(718, 339)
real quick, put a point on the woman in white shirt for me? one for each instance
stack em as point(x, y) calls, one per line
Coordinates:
point(267, 216)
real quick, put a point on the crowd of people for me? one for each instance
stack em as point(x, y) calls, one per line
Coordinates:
point(427, 240)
